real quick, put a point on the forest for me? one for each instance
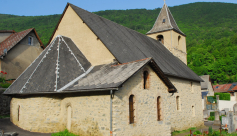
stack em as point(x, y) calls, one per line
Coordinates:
point(210, 28)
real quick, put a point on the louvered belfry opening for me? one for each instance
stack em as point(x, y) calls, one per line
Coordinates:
point(160, 38)
point(158, 108)
point(131, 109)
point(145, 76)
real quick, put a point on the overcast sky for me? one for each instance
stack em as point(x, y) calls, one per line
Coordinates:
point(49, 7)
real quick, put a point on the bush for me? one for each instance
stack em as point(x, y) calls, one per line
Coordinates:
point(223, 96)
point(63, 133)
point(212, 113)
point(211, 118)
point(5, 85)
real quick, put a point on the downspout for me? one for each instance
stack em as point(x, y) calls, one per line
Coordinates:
point(111, 109)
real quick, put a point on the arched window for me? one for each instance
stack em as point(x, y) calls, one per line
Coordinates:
point(160, 38)
point(69, 117)
point(18, 113)
point(158, 108)
point(131, 109)
point(178, 102)
point(179, 38)
point(145, 79)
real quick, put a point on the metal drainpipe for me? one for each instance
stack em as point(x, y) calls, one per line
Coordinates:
point(111, 120)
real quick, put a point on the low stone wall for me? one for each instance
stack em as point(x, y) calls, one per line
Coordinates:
point(4, 104)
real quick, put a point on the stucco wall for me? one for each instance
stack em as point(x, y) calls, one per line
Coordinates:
point(171, 42)
point(89, 116)
point(3, 36)
point(20, 57)
point(189, 96)
point(73, 27)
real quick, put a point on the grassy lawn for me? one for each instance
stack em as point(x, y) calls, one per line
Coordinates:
point(63, 133)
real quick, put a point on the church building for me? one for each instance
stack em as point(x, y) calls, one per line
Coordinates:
point(97, 77)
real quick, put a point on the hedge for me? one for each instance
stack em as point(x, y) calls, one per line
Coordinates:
point(223, 96)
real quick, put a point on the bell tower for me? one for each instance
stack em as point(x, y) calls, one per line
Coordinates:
point(168, 33)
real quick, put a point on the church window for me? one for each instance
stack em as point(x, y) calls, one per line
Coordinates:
point(160, 38)
point(158, 108)
point(163, 21)
point(30, 40)
point(179, 38)
point(178, 102)
point(18, 112)
point(131, 109)
point(69, 117)
point(191, 86)
point(145, 80)
point(193, 110)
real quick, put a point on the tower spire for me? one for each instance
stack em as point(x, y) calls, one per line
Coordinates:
point(165, 22)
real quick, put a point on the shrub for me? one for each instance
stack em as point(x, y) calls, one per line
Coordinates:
point(212, 113)
point(211, 118)
point(5, 85)
point(223, 96)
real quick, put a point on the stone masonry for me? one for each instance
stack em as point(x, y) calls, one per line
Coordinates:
point(4, 104)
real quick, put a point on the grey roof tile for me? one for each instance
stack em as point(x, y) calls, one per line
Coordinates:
point(59, 64)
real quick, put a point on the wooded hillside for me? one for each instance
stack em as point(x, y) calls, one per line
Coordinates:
point(210, 28)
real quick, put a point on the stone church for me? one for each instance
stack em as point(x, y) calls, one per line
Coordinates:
point(97, 77)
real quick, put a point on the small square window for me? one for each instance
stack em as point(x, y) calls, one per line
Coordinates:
point(163, 21)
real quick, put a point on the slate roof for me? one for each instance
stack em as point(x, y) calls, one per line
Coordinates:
point(113, 76)
point(232, 86)
point(169, 24)
point(128, 45)
point(64, 68)
point(234, 89)
point(15, 38)
point(60, 63)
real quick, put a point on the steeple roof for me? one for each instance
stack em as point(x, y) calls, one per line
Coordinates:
point(165, 22)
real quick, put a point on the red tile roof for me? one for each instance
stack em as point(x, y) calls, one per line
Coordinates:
point(15, 38)
point(221, 88)
point(235, 88)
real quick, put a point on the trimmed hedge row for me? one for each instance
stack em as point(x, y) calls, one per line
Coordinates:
point(223, 96)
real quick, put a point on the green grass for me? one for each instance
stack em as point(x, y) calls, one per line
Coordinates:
point(183, 131)
point(4, 116)
point(63, 133)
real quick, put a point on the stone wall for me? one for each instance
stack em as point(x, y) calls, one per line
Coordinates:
point(145, 106)
point(48, 114)
point(190, 95)
point(4, 104)
point(90, 114)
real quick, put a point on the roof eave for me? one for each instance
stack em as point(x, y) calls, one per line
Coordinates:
point(148, 33)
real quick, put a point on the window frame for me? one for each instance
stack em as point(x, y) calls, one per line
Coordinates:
point(131, 109)
point(159, 114)
point(30, 40)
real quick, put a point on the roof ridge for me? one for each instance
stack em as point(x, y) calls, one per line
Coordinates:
point(131, 62)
